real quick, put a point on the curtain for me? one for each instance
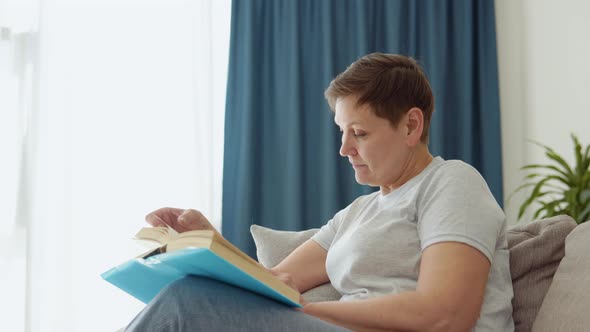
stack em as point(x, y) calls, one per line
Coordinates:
point(128, 118)
point(15, 87)
point(18, 32)
point(282, 168)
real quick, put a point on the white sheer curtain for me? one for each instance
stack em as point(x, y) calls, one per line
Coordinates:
point(18, 31)
point(128, 117)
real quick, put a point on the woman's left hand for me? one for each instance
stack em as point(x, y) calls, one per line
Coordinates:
point(287, 280)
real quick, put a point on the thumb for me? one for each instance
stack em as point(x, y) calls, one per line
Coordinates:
point(154, 220)
point(192, 220)
point(183, 218)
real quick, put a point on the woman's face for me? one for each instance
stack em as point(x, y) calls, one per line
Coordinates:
point(379, 153)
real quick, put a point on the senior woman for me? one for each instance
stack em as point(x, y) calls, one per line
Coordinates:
point(427, 252)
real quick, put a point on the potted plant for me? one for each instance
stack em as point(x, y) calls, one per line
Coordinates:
point(559, 188)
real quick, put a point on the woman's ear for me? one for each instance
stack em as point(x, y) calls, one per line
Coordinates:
point(414, 126)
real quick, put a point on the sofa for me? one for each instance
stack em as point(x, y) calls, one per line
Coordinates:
point(549, 262)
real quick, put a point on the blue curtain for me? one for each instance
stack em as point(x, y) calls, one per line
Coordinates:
point(281, 163)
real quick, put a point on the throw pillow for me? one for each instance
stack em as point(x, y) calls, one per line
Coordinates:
point(536, 249)
point(273, 246)
point(566, 302)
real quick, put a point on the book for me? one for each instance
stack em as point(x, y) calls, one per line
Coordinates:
point(172, 256)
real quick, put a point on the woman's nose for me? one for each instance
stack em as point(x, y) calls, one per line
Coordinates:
point(346, 148)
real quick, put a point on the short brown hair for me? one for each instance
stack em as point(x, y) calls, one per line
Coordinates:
point(390, 84)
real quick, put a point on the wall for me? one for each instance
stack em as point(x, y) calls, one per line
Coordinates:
point(544, 71)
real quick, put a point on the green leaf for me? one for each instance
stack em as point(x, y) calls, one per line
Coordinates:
point(578, 155)
point(549, 152)
point(549, 209)
point(585, 196)
point(571, 196)
point(586, 168)
point(519, 188)
point(551, 185)
point(522, 186)
point(554, 205)
point(535, 194)
point(555, 192)
point(553, 155)
point(587, 157)
point(545, 207)
point(538, 212)
point(584, 215)
point(561, 188)
point(532, 175)
point(567, 177)
point(557, 178)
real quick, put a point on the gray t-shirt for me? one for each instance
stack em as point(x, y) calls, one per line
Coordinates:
point(375, 244)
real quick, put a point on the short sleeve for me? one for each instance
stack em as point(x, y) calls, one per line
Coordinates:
point(325, 236)
point(457, 206)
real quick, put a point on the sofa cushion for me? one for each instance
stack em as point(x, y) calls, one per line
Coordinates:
point(565, 307)
point(273, 246)
point(536, 249)
point(535, 252)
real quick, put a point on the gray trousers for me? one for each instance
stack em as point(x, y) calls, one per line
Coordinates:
point(202, 304)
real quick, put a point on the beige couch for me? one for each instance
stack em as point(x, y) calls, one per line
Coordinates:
point(550, 266)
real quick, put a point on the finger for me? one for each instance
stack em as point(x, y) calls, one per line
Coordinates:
point(305, 308)
point(190, 216)
point(170, 213)
point(302, 300)
point(282, 276)
point(186, 221)
point(185, 217)
point(286, 279)
point(154, 220)
point(163, 217)
point(194, 220)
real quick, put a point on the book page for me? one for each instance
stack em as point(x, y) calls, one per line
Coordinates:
point(161, 235)
point(152, 240)
point(197, 239)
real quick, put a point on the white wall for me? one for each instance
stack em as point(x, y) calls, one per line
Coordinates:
point(544, 71)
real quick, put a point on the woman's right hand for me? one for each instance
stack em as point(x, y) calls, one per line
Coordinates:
point(180, 220)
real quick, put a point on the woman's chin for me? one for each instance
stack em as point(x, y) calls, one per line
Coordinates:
point(361, 179)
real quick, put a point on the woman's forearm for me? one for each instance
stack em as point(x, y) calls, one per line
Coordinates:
point(306, 265)
point(409, 311)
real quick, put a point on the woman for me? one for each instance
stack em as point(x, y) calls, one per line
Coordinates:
point(427, 252)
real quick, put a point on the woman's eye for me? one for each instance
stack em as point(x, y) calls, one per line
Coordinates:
point(358, 134)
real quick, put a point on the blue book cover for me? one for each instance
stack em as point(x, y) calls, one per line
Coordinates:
point(144, 278)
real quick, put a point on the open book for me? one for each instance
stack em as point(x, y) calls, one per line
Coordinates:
point(173, 256)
